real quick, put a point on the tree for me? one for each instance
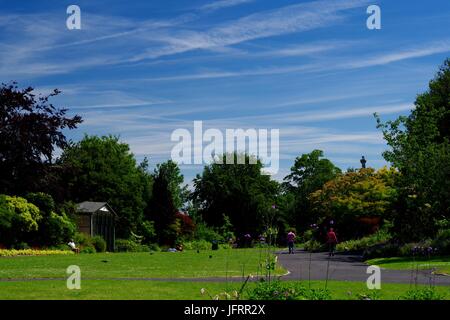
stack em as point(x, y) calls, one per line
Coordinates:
point(18, 218)
point(308, 174)
point(104, 169)
point(167, 198)
point(55, 227)
point(238, 191)
point(355, 197)
point(30, 130)
point(420, 149)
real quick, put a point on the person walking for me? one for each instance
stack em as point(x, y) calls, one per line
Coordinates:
point(290, 240)
point(332, 241)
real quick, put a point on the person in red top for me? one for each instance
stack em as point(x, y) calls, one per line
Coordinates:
point(290, 240)
point(332, 241)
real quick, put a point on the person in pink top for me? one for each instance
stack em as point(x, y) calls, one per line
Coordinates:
point(332, 241)
point(290, 240)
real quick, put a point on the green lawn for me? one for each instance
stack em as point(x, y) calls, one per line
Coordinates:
point(220, 263)
point(101, 273)
point(139, 289)
point(442, 264)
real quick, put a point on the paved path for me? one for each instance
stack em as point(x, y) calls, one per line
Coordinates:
point(347, 268)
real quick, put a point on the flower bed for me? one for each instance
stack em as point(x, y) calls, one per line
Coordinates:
point(32, 252)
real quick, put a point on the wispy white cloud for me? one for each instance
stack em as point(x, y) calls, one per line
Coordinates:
point(335, 64)
point(346, 113)
point(289, 19)
point(411, 53)
point(324, 114)
point(39, 43)
point(220, 4)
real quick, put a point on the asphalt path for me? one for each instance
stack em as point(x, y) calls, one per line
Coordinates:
point(345, 267)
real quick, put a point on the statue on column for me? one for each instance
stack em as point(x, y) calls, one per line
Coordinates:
point(363, 162)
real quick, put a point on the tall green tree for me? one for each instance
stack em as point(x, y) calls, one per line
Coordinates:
point(31, 128)
point(104, 169)
point(308, 174)
point(420, 149)
point(238, 191)
point(167, 198)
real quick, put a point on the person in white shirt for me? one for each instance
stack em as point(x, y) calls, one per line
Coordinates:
point(73, 246)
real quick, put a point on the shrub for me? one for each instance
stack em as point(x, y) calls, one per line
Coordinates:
point(279, 290)
point(424, 249)
point(225, 246)
point(197, 245)
point(317, 294)
point(380, 237)
point(442, 242)
point(205, 232)
point(82, 240)
point(314, 245)
point(369, 295)
point(382, 250)
point(124, 245)
point(21, 246)
point(276, 290)
point(147, 229)
point(55, 227)
point(99, 243)
point(423, 294)
point(18, 218)
point(88, 250)
point(187, 225)
point(308, 235)
point(226, 230)
point(154, 247)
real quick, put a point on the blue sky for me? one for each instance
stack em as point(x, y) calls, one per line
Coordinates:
point(308, 68)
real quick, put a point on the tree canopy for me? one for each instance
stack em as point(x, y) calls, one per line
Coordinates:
point(30, 130)
point(104, 169)
point(308, 174)
point(238, 191)
point(420, 149)
point(346, 199)
point(167, 198)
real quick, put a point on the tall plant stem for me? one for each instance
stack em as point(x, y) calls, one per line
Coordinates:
point(309, 270)
point(328, 268)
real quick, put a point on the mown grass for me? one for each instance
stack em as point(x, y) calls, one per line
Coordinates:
point(220, 263)
point(167, 290)
point(442, 264)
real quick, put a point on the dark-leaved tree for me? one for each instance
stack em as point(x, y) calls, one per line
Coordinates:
point(30, 130)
